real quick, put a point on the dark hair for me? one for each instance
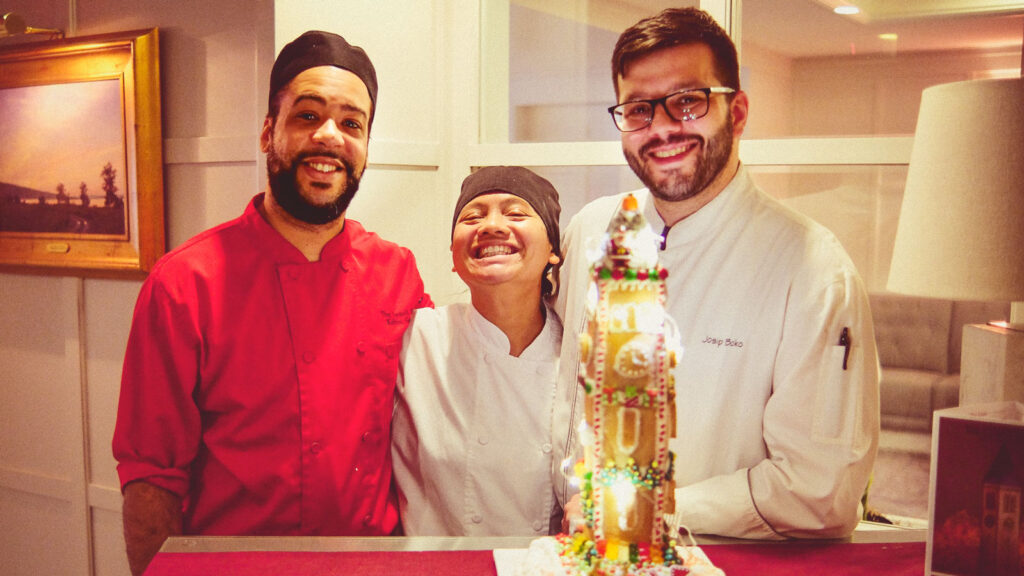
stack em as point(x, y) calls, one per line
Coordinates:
point(674, 27)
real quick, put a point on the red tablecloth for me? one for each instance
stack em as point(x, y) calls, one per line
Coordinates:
point(796, 558)
point(459, 563)
point(812, 558)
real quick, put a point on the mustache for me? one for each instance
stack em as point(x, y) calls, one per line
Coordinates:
point(675, 139)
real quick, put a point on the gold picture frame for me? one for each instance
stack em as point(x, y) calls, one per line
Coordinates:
point(81, 160)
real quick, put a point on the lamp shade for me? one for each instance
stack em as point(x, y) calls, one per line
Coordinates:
point(961, 227)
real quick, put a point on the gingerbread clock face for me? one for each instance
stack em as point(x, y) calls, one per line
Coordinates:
point(635, 359)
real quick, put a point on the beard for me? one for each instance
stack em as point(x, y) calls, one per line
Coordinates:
point(679, 186)
point(284, 186)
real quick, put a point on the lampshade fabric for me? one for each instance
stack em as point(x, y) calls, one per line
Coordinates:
point(961, 228)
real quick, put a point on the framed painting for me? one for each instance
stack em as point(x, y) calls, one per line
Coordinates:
point(81, 162)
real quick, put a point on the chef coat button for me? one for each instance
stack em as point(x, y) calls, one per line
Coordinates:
point(482, 440)
point(293, 274)
point(360, 348)
point(477, 518)
point(366, 436)
point(390, 351)
point(541, 370)
point(343, 265)
point(537, 526)
point(367, 520)
point(315, 447)
point(308, 357)
point(546, 448)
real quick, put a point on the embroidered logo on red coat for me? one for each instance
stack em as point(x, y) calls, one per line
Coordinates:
point(400, 317)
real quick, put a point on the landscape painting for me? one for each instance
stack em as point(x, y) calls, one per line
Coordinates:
point(81, 156)
point(62, 167)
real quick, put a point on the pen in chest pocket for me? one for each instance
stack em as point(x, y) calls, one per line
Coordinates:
point(845, 342)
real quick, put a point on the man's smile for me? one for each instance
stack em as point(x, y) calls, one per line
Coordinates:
point(321, 164)
point(323, 167)
point(671, 150)
point(674, 151)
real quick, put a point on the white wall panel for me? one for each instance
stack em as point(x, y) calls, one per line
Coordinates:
point(211, 83)
point(232, 102)
point(109, 557)
point(206, 194)
point(404, 206)
point(36, 535)
point(108, 314)
point(37, 373)
point(400, 38)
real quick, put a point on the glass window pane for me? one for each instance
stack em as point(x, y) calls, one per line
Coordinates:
point(859, 204)
point(578, 185)
point(560, 66)
point(811, 72)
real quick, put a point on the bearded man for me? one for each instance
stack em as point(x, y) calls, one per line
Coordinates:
point(777, 385)
point(258, 383)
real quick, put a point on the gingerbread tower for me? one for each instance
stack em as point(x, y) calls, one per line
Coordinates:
point(627, 351)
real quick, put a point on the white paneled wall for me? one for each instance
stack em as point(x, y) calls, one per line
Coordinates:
point(62, 339)
point(42, 479)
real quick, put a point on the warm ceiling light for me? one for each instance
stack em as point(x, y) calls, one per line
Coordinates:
point(889, 37)
point(846, 10)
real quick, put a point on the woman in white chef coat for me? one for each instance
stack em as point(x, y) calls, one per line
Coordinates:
point(476, 447)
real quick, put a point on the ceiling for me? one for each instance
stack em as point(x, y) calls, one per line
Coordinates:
point(875, 10)
point(809, 28)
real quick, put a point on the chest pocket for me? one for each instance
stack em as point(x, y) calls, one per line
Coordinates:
point(835, 406)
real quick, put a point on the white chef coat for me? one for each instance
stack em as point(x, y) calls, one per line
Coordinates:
point(774, 438)
point(472, 435)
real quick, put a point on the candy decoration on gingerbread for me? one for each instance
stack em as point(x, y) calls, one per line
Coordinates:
point(627, 352)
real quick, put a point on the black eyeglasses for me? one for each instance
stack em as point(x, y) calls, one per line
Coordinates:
point(683, 106)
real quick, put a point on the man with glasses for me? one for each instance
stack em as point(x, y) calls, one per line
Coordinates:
point(777, 384)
